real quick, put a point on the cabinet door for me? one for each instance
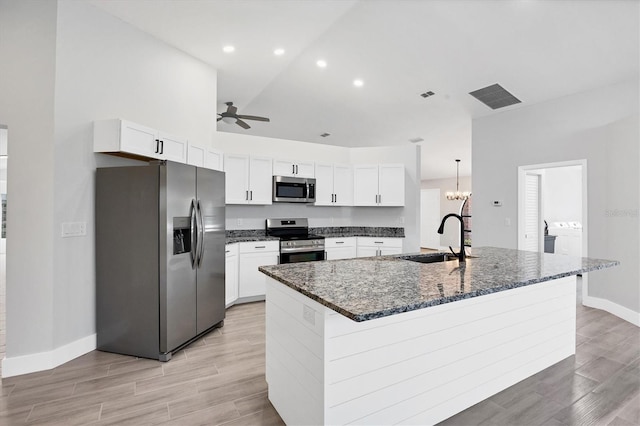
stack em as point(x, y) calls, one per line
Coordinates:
point(195, 155)
point(252, 281)
point(341, 253)
point(365, 185)
point(231, 275)
point(284, 168)
point(260, 180)
point(324, 184)
point(390, 250)
point(391, 185)
point(367, 251)
point(173, 148)
point(236, 168)
point(305, 169)
point(213, 159)
point(342, 185)
point(137, 139)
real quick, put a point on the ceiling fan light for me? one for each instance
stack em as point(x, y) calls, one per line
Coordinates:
point(229, 120)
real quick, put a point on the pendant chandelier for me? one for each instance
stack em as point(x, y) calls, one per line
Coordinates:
point(457, 195)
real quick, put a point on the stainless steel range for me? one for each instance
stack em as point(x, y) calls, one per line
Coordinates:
point(296, 244)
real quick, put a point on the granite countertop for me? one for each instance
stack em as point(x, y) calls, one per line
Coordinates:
point(245, 235)
point(367, 288)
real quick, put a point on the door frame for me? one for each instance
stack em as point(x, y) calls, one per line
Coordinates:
point(522, 170)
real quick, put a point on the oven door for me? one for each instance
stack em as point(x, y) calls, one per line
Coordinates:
point(301, 256)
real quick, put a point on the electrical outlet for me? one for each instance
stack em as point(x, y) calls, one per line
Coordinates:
point(507, 221)
point(401, 220)
point(74, 229)
point(239, 222)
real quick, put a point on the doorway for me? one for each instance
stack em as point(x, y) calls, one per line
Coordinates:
point(429, 218)
point(552, 199)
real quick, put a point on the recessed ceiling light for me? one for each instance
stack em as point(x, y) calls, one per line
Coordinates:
point(228, 49)
point(278, 52)
point(358, 83)
point(321, 63)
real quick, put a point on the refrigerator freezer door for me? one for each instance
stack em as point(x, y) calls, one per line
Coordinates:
point(177, 277)
point(210, 288)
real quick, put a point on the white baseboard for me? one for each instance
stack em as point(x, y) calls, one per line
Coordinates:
point(613, 308)
point(40, 361)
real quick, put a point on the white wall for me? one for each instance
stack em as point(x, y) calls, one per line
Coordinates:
point(451, 236)
point(27, 49)
point(103, 68)
point(600, 126)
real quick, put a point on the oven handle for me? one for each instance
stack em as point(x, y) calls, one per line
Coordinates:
point(301, 250)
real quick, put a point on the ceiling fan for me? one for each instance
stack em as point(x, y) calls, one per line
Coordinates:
point(231, 115)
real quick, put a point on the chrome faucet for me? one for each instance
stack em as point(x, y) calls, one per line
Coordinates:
point(461, 255)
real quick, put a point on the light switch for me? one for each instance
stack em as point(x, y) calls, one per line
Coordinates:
point(507, 221)
point(74, 229)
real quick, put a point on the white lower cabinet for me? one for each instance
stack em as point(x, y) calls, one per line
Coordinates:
point(371, 246)
point(252, 255)
point(340, 248)
point(231, 274)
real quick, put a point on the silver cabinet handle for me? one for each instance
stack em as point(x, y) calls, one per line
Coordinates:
point(336, 195)
point(259, 246)
point(250, 195)
point(278, 260)
point(161, 147)
point(339, 242)
point(157, 145)
point(297, 169)
point(380, 198)
point(246, 195)
point(293, 169)
point(378, 242)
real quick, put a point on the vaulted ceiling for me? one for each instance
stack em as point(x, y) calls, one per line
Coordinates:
point(536, 49)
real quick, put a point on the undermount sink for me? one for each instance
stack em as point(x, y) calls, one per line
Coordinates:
point(430, 257)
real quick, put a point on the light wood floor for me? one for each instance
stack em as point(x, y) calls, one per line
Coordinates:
point(220, 380)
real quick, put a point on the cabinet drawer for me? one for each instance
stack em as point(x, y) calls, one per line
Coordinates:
point(259, 246)
point(340, 242)
point(379, 242)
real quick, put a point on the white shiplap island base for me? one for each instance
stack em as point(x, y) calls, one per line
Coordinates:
point(418, 366)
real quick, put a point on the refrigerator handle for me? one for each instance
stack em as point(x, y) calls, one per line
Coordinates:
point(193, 224)
point(200, 233)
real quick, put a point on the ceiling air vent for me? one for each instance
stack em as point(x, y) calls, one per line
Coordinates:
point(416, 140)
point(495, 96)
point(324, 135)
point(427, 94)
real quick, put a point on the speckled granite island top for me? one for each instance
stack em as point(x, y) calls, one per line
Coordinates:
point(367, 288)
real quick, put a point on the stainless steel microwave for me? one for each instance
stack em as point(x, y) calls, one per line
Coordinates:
point(294, 190)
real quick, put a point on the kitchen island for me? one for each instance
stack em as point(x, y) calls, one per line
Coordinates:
point(386, 340)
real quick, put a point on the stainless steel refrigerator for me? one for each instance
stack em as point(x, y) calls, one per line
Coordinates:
point(160, 259)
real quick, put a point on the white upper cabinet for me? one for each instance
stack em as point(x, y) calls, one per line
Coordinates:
point(378, 185)
point(205, 157)
point(293, 168)
point(248, 180)
point(132, 138)
point(334, 184)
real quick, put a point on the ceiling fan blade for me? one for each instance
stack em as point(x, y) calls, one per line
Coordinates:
point(253, 117)
point(242, 124)
point(219, 118)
